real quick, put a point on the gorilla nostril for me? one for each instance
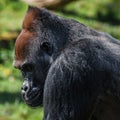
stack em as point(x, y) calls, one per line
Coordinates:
point(25, 88)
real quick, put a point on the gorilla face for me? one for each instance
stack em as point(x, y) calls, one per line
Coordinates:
point(34, 71)
point(33, 57)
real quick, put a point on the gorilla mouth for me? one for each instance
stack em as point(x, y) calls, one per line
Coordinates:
point(33, 98)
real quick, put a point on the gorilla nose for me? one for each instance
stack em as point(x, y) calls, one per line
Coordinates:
point(25, 87)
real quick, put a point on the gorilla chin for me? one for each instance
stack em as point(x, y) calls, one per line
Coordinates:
point(32, 98)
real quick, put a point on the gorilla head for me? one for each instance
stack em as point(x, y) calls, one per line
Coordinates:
point(35, 48)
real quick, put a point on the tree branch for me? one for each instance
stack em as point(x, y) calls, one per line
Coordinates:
point(50, 4)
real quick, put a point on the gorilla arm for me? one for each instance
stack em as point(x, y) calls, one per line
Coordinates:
point(72, 87)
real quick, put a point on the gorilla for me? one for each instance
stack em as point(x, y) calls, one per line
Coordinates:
point(66, 66)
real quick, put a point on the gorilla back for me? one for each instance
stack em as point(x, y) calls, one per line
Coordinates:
point(68, 66)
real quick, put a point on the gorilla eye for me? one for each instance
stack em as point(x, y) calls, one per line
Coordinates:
point(47, 47)
point(27, 67)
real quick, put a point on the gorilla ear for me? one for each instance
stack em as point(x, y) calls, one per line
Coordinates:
point(47, 47)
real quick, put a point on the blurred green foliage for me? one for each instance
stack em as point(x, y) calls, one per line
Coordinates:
point(110, 11)
point(11, 16)
point(102, 15)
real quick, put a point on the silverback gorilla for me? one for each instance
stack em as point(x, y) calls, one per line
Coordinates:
point(66, 65)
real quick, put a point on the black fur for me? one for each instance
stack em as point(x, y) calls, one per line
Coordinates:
point(84, 64)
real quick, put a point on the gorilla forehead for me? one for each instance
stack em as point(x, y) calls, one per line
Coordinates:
point(36, 26)
point(27, 36)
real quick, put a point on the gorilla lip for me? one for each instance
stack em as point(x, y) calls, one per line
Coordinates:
point(31, 98)
point(34, 100)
